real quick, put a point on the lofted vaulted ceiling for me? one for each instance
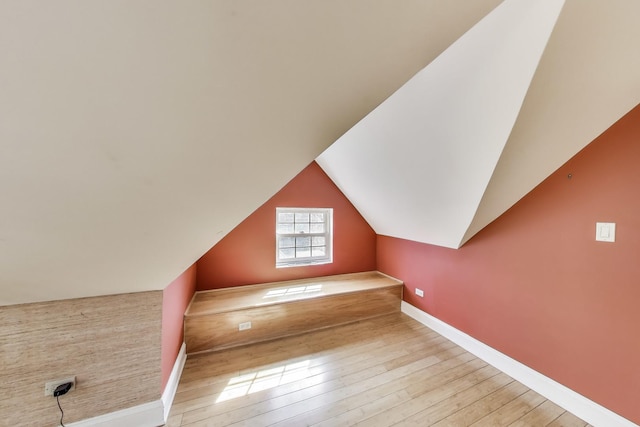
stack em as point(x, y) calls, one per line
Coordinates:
point(489, 119)
point(418, 165)
point(135, 135)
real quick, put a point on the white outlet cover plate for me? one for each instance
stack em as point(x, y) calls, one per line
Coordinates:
point(244, 326)
point(419, 292)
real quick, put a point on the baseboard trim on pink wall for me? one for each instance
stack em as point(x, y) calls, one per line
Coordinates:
point(573, 402)
point(172, 385)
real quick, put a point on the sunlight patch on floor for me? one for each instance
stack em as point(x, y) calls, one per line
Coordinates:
point(263, 380)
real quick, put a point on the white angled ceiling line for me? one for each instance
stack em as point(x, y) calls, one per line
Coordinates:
point(417, 166)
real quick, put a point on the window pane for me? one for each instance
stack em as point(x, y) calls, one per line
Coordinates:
point(287, 242)
point(303, 252)
point(287, 253)
point(317, 217)
point(303, 242)
point(303, 236)
point(285, 228)
point(302, 216)
point(317, 228)
point(285, 217)
point(302, 228)
point(318, 251)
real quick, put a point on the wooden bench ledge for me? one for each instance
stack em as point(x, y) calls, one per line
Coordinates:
point(243, 297)
point(274, 310)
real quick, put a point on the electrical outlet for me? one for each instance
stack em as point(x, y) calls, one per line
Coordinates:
point(50, 386)
point(244, 326)
point(419, 292)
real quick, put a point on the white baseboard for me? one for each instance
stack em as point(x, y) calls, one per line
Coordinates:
point(172, 385)
point(145, 415)
point(591, 412)
point(152, 414)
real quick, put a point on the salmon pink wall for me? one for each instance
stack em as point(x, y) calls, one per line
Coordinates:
point(175, 299)
point(536, 285)
point(247, 254)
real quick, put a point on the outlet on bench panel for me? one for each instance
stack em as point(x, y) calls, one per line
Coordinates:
point(244, 326)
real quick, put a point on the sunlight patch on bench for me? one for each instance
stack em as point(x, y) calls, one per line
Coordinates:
point(273, 293)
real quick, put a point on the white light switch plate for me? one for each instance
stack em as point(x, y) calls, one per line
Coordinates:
point(606, 231)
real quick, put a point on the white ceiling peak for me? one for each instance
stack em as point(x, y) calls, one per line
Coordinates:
point(417, 166)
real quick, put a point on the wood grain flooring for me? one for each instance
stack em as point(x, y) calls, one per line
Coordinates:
point(386, 371)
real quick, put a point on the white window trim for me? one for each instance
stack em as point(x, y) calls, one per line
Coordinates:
point(328, 234)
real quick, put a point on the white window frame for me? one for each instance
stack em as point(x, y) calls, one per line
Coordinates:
point(327, 258)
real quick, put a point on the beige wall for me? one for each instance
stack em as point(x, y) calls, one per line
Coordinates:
point(111, 343)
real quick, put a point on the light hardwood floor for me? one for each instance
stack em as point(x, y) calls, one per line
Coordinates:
point(386, 371)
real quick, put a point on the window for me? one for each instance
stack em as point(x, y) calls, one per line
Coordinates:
point(303, 236)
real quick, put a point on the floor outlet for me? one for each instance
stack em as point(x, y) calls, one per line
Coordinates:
point(244, 326)
point(50, 386)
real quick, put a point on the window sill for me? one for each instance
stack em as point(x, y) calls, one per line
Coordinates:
point(303, 264)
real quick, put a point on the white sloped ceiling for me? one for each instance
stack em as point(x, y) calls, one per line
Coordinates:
point(588, 77)
point(135, 134)
point(429, 169)
point(418, 165)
